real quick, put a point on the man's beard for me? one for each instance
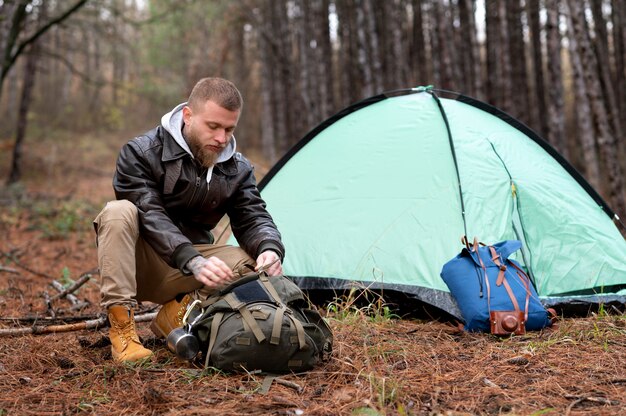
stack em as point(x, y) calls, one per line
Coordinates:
point(205, 157)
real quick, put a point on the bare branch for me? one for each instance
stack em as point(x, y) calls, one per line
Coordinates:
point(84, 278)
point(8, 270)
point(79, 326)
point(43, 29)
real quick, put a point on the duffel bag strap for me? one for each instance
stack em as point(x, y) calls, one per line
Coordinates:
point(239, 306)
point(512, 296)
point(501, 280)
point(482, 265)
point(215, 325)
point(495, 257)
point(526, 282)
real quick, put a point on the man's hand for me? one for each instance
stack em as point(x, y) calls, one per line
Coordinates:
point(267, 257)
point(211, 272)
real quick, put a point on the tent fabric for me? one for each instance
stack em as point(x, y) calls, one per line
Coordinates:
point(381, 193)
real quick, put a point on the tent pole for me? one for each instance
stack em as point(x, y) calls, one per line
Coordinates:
point(456, 165)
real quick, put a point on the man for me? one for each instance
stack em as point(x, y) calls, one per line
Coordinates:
point(173, 184)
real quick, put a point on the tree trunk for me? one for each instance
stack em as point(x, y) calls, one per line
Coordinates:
point(280, 63)
point(607, 144)
point(445, 51)
point(605, 140)
point(301, 36)
point(619, 41)
point(390, 29)
point(11, 94)
point(607, 81)
point(492, 46)
point(365, 60)
point(418, 46)
point(556, 120)
point(469, 50)
point(30, 71)
point(431, 27)
point(538, 116)
point(268, 118)
point(517, 53)
point(14, 14)
point(504, 37)
point(373, 44)
point(618, 9)
point(352, 80)
point(325, 64)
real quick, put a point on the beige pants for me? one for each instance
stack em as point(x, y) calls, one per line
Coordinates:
point(130, 269)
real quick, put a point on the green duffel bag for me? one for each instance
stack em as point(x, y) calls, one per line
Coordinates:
point(260, 322)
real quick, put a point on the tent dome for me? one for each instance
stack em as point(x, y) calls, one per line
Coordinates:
point(382, 192)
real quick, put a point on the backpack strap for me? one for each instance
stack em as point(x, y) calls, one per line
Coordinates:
point(299, 331)
point(239, 306)
point(280, 311)
point(217, 319)
point(265, 281)
point(278, 324)
point(209, 301)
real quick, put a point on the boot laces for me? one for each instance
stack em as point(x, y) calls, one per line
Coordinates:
point(126, 331)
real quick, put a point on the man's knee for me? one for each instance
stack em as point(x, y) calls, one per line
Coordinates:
point(118, 210)
point(121, 213)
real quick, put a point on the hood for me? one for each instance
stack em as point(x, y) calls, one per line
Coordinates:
point(173, 123)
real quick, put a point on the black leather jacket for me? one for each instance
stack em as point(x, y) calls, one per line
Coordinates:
point(177, 210)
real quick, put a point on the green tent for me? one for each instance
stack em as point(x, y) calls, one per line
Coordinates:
point(382, 192)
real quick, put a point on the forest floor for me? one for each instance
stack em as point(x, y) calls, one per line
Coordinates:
point(381, 365)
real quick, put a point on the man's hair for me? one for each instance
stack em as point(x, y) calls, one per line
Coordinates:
point(221, 91)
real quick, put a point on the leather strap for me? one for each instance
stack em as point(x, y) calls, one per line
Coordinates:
point(512, 296)
point(521, 274)
point(495, 257)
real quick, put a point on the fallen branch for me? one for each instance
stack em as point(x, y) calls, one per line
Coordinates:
point(76, 303)
point(489, 382)
point(51, 329)
point(84, 278)
point(288, 383)
point(48, 319)
point(579, 400)
point(8, 270)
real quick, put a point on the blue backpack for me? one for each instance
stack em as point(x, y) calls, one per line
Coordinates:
point(492, 291)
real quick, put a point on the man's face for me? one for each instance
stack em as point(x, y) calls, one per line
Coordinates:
point(208, 129)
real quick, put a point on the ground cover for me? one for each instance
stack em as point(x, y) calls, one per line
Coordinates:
point(381, 365)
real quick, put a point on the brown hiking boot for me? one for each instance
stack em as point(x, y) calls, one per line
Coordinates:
point(125, 344)
point(170, 317)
